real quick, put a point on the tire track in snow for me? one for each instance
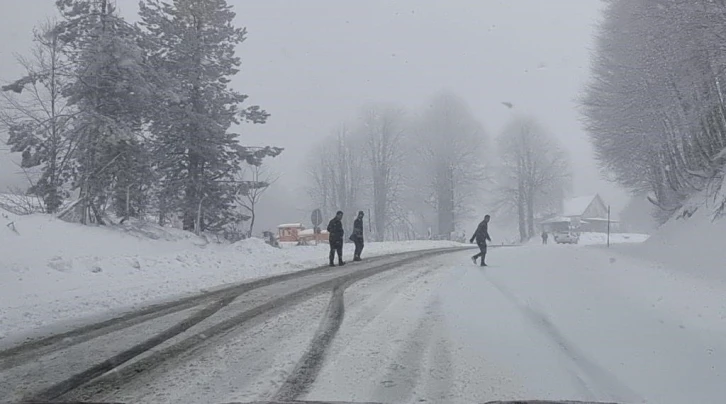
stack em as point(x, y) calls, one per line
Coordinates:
point(601, 377)
point(377, 302)
point(111, 374)
point(408, 378)
point(75, 381)
point(90, 387)
point(35, 347)
point(24, 353)
point(309, 366)
point(368, 360)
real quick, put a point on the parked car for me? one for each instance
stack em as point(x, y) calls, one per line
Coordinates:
point(566, 237)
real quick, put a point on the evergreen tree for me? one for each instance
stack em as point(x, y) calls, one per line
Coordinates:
point(111, 91)
point(193, 43)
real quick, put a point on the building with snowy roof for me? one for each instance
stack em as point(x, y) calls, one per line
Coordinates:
point(583, 214)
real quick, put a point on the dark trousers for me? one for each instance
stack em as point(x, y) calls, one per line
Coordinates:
point(336, 246)
point(358, 248)
point(482, 253)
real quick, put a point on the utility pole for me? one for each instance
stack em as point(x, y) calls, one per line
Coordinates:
point(608, 226)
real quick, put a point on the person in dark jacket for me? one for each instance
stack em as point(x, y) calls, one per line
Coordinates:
point(481, 235)
point(335, 238)
point(357, 236)
point(544, 237)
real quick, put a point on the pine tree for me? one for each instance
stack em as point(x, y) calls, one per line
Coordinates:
point(111, 91)
point(193, 43)
point(134, 178)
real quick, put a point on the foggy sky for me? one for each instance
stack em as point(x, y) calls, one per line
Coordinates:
point(312, 63)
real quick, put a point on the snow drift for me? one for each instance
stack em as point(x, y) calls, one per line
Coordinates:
point(693, 241)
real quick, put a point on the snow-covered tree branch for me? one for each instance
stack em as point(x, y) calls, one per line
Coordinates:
point(654, 107)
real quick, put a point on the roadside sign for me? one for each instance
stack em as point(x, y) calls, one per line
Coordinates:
point(316, 217)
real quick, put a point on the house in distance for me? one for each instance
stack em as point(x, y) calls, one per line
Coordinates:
point(584, 214)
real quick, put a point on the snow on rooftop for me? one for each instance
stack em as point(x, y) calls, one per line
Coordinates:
point(598, 219)
point(310, 232)
point(290, 225)
point(577, 206)
point(557, 219)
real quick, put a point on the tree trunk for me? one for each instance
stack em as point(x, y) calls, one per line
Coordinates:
point(522, 222)
point(252, 219)
point(530, 213)
point(379, 208)
point(521, 212)
point(192, 197)
point(445, 203)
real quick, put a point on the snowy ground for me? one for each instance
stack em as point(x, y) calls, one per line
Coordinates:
point(694, 246)
point(615, 238)
point(539, 323)
point(544, 322)
point(53, 272)
point(592, 239)
point(636, 323)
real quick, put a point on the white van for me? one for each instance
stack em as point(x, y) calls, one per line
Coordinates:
point(566, 237)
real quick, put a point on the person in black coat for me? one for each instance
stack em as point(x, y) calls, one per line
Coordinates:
point(357, 236)
point(335, 238)
point(481, 235)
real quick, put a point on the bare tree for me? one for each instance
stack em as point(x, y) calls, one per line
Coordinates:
point(19, 202)
point(655, 108)
point(534, 172)
point(381, 129)
point(337, 172)
point(255, 181)
point(37, 118)
point(449, 159)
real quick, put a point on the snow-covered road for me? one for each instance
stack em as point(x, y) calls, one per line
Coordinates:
point(545, 322)
point(554, 322)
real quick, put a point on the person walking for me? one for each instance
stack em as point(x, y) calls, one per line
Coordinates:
point(357, 236)
point(335, 238)
point(545, 236)
point(481, 235)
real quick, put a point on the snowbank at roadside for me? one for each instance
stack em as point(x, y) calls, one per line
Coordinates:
point(615, 238)
point(598, 239)
point(52, 271)
point(695, 245)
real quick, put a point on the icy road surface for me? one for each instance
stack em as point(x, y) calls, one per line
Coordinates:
point(545, 322)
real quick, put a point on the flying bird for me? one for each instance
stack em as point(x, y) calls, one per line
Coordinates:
point(508, 105)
